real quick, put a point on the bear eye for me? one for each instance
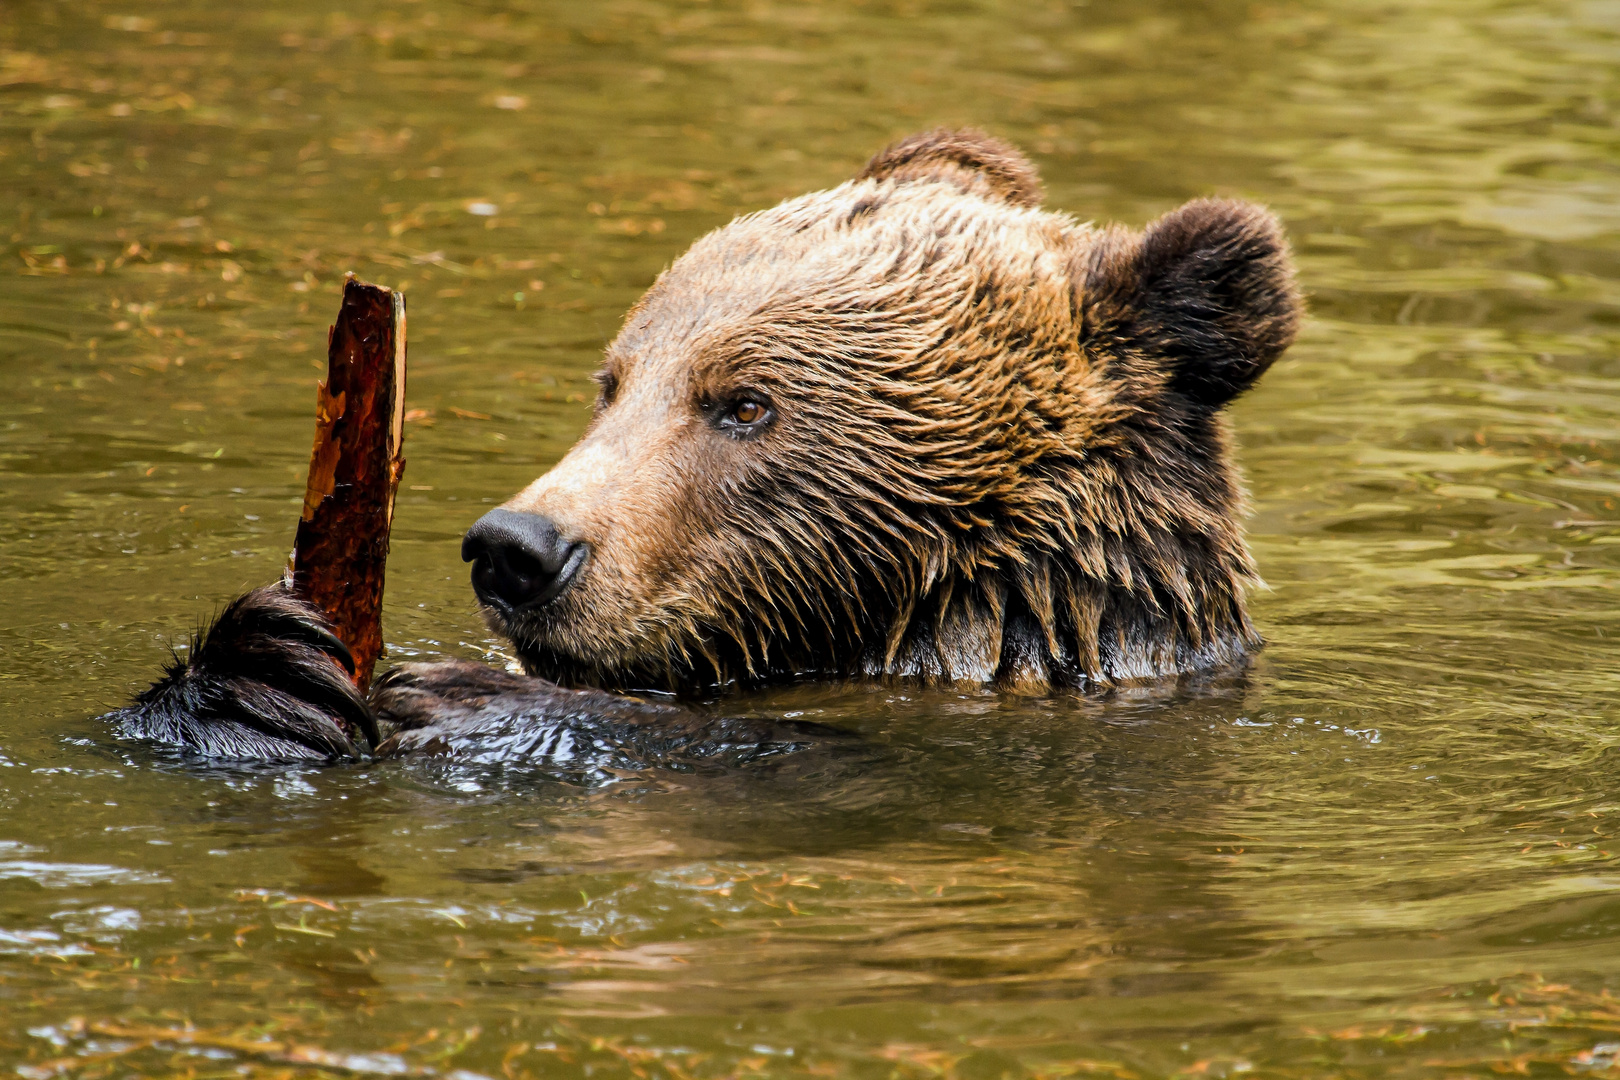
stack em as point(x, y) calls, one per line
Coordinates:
point(744, 415)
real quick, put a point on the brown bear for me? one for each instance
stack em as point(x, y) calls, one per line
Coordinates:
point(910, 427)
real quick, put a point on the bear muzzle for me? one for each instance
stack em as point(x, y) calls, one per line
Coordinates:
point(521, 562)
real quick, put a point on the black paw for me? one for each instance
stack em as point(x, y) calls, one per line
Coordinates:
point(267, 681)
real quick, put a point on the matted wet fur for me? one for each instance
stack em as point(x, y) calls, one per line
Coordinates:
point(911, 427)
point(268, 680)
point(993, 449)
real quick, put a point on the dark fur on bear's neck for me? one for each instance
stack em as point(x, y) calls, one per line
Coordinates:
point(1001, 457)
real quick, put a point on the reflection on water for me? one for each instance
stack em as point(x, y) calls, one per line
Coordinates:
point(1391, 849)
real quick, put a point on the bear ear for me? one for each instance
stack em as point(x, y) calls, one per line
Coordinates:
point(970, 159)
point(1207, 290)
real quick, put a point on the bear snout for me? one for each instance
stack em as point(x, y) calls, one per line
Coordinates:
point(521, 562)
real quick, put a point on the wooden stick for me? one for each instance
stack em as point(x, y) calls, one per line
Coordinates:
point(342, 543)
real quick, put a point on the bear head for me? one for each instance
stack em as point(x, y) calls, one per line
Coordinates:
point(911, 426)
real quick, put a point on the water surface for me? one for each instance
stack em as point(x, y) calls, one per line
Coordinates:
point(1389, 851)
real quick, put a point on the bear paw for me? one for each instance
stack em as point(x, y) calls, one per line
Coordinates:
point(267, 681)
point(477, 714)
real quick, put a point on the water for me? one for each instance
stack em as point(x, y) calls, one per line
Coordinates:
point(1391, 850)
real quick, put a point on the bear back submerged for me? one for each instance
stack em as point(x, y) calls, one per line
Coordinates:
point(911, 426)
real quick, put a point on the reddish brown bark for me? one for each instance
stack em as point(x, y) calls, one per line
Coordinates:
point(354, 470)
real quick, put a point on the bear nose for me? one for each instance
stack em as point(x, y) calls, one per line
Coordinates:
point(519, 560)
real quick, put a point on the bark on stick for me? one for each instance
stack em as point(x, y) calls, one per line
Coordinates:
point(342, 544)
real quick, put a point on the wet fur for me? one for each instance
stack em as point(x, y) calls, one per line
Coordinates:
point(999, 456)
point(267, 681)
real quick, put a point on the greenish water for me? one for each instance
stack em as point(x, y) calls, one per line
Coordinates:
point(1390, 852)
